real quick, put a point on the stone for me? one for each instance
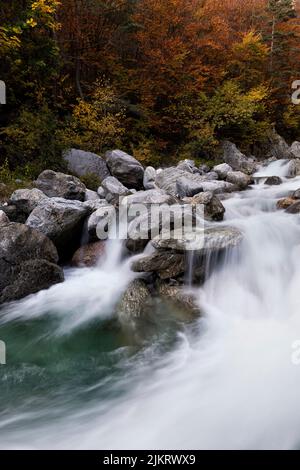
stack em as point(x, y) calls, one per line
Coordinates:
point(295, 149)
point(294, 208)
point(285, 203)
point(114, 190)
point(179, 298)
point(296, 194)
point(89, 255)
point(28, 262)
point(55, 184)
point(236, 159)
point(134, 302)
point(273, 181)
point(84, 163)
point(91, 195)
point(25, 200)
point(149, 178)
point(149, 197)
point(165, 263)
point(213, 207)
point(125, 168)
point(239, 179)
point(222, 170)
point(185, 187)
point(102, 218)
point(3, 218)
point(62, 221)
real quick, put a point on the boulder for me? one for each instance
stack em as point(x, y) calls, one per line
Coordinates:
point(100, 219)
point(285, 203)
point(178, 297)
point(204, 169)
point(188, 165)
point(101, 192)
point(25, 200)
point(95, 204)
point(273, 146)
point(239, 179)
point(55, 184)
point(218, 187)
point(294, 168)
point(125, 168)
point(86, 163)
point(213, 207)
point(236, 159)
point(185, 187)
point(114, 190)
point(3, 218)
point(149, 197)
point(60, 220)
point(273, 181)
point(295, 149)
point(149, 178)
point(91, 195)
point(294, 208)
point(165, 263)
point(167, 179)
point(135, 301)
point(222, 170)
point(296, 194)
point(89, 255)
point(28, 262)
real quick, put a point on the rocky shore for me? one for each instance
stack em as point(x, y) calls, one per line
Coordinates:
point(55, 223)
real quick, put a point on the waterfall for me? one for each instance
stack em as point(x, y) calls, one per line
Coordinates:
point(228, 381)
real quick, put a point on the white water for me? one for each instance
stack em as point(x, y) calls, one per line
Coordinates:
point(229, 384)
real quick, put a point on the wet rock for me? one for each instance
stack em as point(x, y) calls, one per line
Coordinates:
point(273, 181)
point(100, 221)
point(165, 263)
point(114, 190)
point(296, 194)
point(149, 178)
point(213, 208)
point(55, 184)
point(134, 302)
point(3, 218)
point(125, 168)
point(28, 262)
point(222, 170)
point(285, 203)
point(295, 149)
point(294, 208)
point(25, 200)
point(236, 159)
point(239, 179)
point(179, 298)
point(60, 220)
point(89, 255)
point(86, 163)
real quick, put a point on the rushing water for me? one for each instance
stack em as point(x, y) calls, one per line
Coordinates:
point(74, 379)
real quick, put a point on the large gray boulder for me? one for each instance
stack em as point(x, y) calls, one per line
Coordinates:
point(273, 146)
point(185, 187)
point(60, 220)
point(86, 163)
point(149, 178)
point(218, 187)
point(114, 190)
point(295, 149)
point(168, 179)
point(236, 159)
point(152, 196)
point(28, 262)
point(25, 200)
point(125, 168)
point(222, 170)
point(213, 207)
point(239, 179)
point(55, 184)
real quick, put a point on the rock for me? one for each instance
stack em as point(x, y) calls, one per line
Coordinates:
point(60, 220)
point(55, 184)
point(114, 190)
point(101, 220)
point(101, 192)
point(27, 262)
point(211, 240)
point(273, 181)
point(188, 165)
point(295, 149)
point(152, 196)
point(211, 176)
point(294, 168)
point(187, 188)
point(165, 263)
point(134, 302)
point(294, 208)
point(86, 163)
point(89, 255)
point(204, 169)
point(222, 170)
point(236, 159)
point(149, 178)
point(25, 200)
point(213, 208)
point(178, 297)
point(239, 179)
point(218, 187)
point(96, 204)
point(125, 168)
point(3, 218)
point(296, 194)
point(91, 195)
point(285, 203)
point(167, 179)
point(273, 146)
